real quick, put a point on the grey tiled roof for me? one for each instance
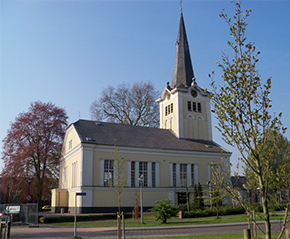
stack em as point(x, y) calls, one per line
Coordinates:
point(104, 133)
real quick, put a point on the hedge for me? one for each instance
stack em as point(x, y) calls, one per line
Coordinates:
point(226, 210)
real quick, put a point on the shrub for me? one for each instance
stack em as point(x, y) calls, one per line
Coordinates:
point(225, 210)
point(164, 210)
point(257, 207)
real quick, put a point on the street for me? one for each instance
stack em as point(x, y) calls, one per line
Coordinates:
point(58, 233)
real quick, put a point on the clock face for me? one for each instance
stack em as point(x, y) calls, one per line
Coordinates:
point(193, 93)
point(168, 96)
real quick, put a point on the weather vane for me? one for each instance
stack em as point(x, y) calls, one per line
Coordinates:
point(180, 2)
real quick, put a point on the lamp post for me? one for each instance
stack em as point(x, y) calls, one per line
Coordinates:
point(141, 181)
point(29, 182)
point(28, 197)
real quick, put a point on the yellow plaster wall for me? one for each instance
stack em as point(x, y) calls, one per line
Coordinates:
point(167, 102)
point(59, 198)
point(195, 126)
point(68, 163)
point(71, 134)
point(108, 198)
point(164, 164)
point(74, 155)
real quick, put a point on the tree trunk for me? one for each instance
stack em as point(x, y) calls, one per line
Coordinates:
point(39, 193)
point(118, 226)
point(265, 208)
point(267, 218)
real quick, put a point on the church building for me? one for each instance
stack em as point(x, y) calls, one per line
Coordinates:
point(166, 160)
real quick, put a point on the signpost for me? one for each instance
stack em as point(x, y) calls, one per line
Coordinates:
point(77, 194)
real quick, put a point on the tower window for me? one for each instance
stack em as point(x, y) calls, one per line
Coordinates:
point(169, 109)
point(194, 106)
point(189, 105)
point(199, 107)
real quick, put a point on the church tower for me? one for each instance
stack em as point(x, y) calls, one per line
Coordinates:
point(184, 106)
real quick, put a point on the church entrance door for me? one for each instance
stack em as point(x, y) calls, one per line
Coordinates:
point(181, 198)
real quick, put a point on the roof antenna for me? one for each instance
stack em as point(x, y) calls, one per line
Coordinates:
point(180, 3)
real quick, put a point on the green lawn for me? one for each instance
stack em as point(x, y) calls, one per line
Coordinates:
point(172, 222)
point(210, 236)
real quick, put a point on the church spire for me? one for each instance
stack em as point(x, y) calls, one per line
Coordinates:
point(182, 71)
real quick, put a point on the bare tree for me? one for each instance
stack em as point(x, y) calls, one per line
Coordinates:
point(126, 104)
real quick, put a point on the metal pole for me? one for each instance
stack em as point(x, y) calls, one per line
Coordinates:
point(75, 227)
point(141, 201)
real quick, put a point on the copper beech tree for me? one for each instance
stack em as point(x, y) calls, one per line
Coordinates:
point(128, 104)
point(32, 149)
point(242, 106)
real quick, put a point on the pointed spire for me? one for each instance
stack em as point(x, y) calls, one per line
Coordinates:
point(182, 71)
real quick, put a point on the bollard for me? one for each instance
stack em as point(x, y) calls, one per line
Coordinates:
point(7, 230)
point(287, 232)
point(247, 234)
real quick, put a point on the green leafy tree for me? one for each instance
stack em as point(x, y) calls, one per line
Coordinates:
point(217, 199)
point(187, 195)
point(214, 197)
point(242, 106)
point(200, 201)
point(195, 197)
point(118, 181)
point(279, 182)
point(164, 210)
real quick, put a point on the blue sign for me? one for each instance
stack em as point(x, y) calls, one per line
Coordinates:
point(81, 194)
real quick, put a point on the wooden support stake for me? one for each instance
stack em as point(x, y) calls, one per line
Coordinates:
point(247, 234)
point(123, 225)
point(287, 232)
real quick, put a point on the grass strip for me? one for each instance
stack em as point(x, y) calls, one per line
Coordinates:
point(209, 236)
point(172, 222)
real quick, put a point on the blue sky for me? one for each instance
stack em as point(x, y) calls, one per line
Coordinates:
point(67, 51)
